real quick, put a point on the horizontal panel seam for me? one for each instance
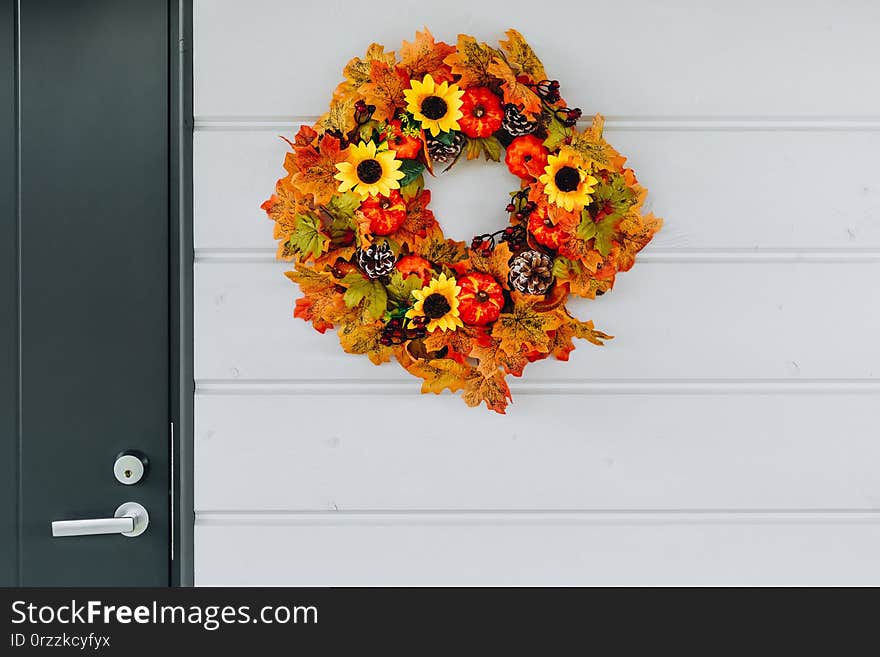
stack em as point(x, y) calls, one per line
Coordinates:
point(546, 516)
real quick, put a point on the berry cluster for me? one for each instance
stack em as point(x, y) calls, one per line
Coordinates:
point(515, 236)
point(398, 330)
point(548, 90)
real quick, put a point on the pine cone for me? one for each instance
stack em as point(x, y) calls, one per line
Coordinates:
point(515, 123)
point(375, 261)
point(531, 272)
point(441, 152)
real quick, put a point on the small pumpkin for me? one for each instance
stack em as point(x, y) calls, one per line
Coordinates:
point(406, 146)
point(543, 229)
point(481, 112)
point(385, 213)
point(413, 264)
point(480, 300)
point(526, 157)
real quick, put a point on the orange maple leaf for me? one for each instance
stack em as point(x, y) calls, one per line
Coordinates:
point(491, 390)
point(521, 57)
point(440, 374)
point(635, 231)
point(420, 223)
point(515, 91)
point(315, 169)
point(358, 338)
point(525, 327)
point(471, 61)
point(496, 263)
point(424, 56)
point(385, 90)
point(322, 304)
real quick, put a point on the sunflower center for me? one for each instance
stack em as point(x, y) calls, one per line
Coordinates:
point(567, 179)
point(434, 107)
point(482, 296)
point(435, 306)
point(369, 171)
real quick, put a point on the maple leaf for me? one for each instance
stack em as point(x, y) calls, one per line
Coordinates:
point(282, 208)
point(321, 304)
point(488, 146)
point(524, 327)
point(385, 90)
point(424, 56)
point(636, 230)
point(400, 289)
point(368, 293)
point(561, 344)
point(491, 357)
point(515, 92)
point(315, 169)
point(420, 223)
point(307, 239)
point(339, 119)
point(471, 61)
point(521, 57)
point(582, 281)
point(496, 262)
point(592, 148)
point(442, 251)
point(458, 343)
point(440, 374)
point(358, 338)
point(357, 71)
point(491, 390)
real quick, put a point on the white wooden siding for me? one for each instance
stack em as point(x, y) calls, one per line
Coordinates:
point(727, 435)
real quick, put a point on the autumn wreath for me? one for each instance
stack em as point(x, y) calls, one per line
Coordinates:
point(370, 256)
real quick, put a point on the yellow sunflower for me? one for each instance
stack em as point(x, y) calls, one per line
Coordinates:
point(566, 183)
point(436, 106)
point(369, 171)
point(438, 301)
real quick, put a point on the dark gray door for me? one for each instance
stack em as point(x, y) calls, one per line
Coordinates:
point(84, 271)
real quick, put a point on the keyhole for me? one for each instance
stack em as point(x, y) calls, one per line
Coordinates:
point(127, 474)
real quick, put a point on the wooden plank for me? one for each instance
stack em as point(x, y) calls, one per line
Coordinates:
point(738, 550)
point(675, 321)
point(404, 451)
point(272, 57)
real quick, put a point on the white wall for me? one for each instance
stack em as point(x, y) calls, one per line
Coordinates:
point(727, 435)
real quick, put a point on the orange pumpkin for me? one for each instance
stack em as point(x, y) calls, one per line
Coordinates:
point(526, 157)
point(385, 213)
point(480, 300)
point(481, 112)
point(543, 230)
point(413, 264)
point(406, 146)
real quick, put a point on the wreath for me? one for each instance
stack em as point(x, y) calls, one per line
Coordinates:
point(371, 258)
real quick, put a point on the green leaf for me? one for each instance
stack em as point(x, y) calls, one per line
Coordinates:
point(370, 293)
point(562, 266)
point(343, 206)
point(411, 169)
point(447, 138)
point(556, 132)
point(307, 237)
point(488, 146)
point(414, 187)
point(400, 289)
point(586, 230)
point(615, 193)
point(604, 234)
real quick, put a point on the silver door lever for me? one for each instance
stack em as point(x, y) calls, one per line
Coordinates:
point(130, 519)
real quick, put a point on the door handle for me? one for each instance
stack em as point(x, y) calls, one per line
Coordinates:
point(130, 519)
